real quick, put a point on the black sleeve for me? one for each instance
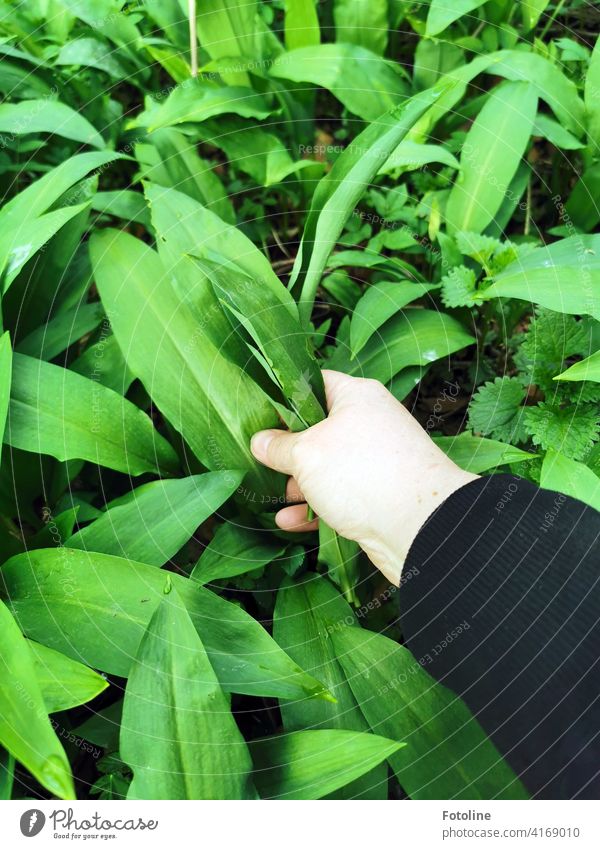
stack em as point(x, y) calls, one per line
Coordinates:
point(500, 601)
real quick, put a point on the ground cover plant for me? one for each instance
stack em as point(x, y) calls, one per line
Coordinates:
point(202, 206)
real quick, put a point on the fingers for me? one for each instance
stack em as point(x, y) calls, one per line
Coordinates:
point(293, 493)
point(337, 385)
point(274, 448)
point(294, 519)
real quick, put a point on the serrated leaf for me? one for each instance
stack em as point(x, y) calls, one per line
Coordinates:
point(571, 430)
point(495, 410)
point(459, 288)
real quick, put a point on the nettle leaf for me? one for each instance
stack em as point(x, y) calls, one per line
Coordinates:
point(572, 430)
point(25, 730)
point(551, 338)
point(95, 608)
point(476, 454)
point(495, 410)
point(235, 550)
point(478, 247)
point(561, 474)
point(313, 764)
point(58, 412)
point(158, 518)
point(177, 731)
point(459, 288)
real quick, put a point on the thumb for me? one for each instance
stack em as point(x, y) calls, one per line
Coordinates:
point(273, 448)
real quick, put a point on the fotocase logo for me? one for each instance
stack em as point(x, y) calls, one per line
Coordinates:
point(32, 822)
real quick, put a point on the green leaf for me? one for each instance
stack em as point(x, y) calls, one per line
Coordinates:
point(495, 409)
point(531, 11)
point(563, 276)
point(379, 303)
point(551, 338)
point(562, 474)
point(340, 557)
point(177, 732)
point(305, 613)
point(54, 337)
point(459, 288)
point(228, 30)
point(92, 53)
point(491, 155)
point(340, 190)
point(588, 369)
point(311, 764)
point(95, 608)
point(362, 22)
point(25, 729)
point(363, 82)
point(556, 134)
point(581, 206)
point(158, 518)
point(412, 155)
point(301, 24)
point(195, 100)
point(212, 402)
point(442, 13)
point(273, 326)
point(415, 337)
point(235, 550)
point(5, 379)
point(477, 455)
point(64, 682)
point(48, 116)
point(448, 755)
point(591, 100)
point(571, 430)
point(55, 411)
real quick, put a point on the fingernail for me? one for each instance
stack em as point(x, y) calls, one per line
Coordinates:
point(260, 443)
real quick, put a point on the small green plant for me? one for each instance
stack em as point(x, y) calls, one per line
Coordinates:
point(189, 232)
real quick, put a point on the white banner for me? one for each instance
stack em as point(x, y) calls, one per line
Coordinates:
point(262, 825)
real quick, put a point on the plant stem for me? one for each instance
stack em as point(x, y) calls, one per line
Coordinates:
point(193, 37)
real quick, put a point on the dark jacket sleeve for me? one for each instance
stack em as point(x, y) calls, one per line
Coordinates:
point(513, 572)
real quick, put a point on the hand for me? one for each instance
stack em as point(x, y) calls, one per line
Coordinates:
point(369, 470)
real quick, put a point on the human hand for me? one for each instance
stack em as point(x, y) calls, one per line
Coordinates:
point(369, 470)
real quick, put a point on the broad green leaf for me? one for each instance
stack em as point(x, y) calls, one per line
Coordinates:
point(412, 155)
point(95, 608)
point(592, 99)
point(362, 22)
point(340, 557)
point(362, 81)
point(379, 303)
point(212, 402)
point(93, 53)
point(64, 682)
point(7, 775)
point(60, 332)
point(414, 337)
point(448, 755)
point(104, 362)
point(273, 327)
point(170, 159)
point(20, 243)
point(588, 369)
point(5, 379)
point(158, 519)
point(531, 11)
point(312, 764)
point(228, 30)
point(235, 550)
point(58, 412)
point(177, 731)
point(122, 203)
point(550, 129)
point(570, 477)
point(340, 190)
point(48, 116)
point(195, 100)
point(44, 192)
point(301, 24)
point(442, 13)
point(491, 155)
point(305, 614)
point(563, 276)
point(25, 729)
point(582, 204)
point(476, 454)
